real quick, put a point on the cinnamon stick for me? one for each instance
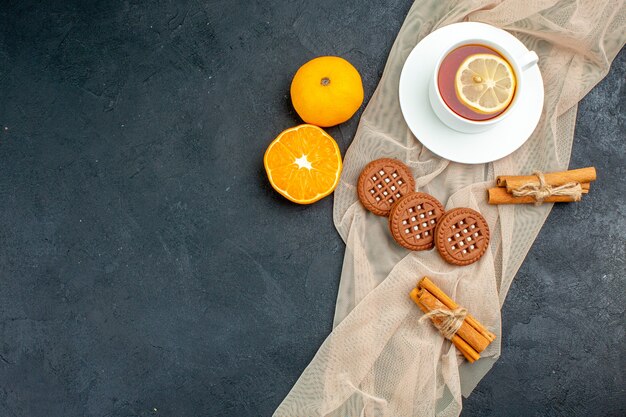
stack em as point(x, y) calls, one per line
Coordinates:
point(585, 187)
point(555, 179)
point(501, 196)
point(466, 332)
point(448, 302)
point(466, 350)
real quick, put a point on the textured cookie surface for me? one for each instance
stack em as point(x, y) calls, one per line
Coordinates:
point(462, 236)
point(413, 220)
point(382, 182)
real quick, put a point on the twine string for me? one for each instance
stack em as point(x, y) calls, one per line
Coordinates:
point(448, 322)
point(544, 190)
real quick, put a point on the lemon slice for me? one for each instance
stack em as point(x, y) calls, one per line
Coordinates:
point(485, 83)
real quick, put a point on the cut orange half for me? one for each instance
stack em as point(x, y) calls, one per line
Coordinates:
point(303, 164)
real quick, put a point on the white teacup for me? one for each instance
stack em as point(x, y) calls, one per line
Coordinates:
point(519, 63)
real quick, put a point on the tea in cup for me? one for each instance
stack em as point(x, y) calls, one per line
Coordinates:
point(476, 84)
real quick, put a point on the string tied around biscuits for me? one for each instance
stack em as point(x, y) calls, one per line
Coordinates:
point(544, 190)
point(449, 321)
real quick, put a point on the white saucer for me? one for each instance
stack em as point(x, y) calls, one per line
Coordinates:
point(477, 148)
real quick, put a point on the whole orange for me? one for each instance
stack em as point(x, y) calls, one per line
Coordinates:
point(326, 91)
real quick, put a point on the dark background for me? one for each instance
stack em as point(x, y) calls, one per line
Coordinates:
point(147, 267)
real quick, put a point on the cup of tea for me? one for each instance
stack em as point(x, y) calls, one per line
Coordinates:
point(476, 84)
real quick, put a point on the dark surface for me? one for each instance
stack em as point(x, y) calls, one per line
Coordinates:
point(147, 267)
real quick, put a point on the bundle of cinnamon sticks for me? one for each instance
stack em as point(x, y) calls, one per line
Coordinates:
point(558, 187)
point(471, 338)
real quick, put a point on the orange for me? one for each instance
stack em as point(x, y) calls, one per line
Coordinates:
point(303, 164)
point(326, 91)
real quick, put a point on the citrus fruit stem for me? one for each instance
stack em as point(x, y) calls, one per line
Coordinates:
point(325, 81)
